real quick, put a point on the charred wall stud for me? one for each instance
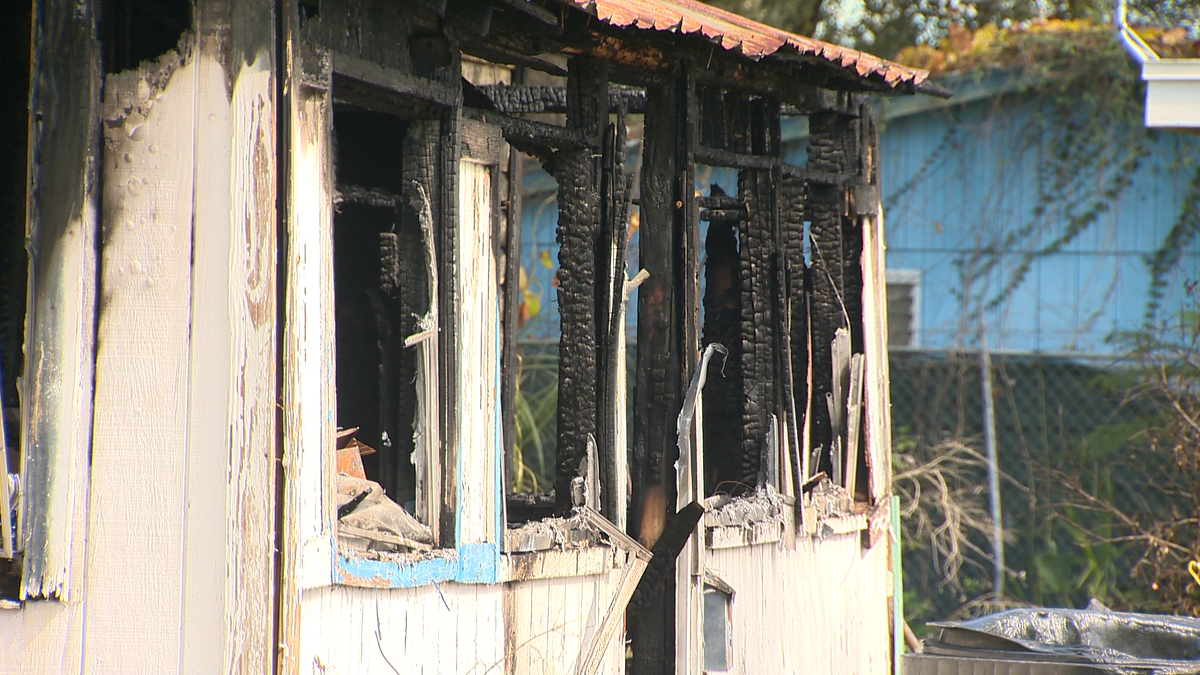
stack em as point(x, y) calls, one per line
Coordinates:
point(832, 149)
point(792, 195)
point(445, 208)
point(757, 126)
point(611, 255)
point(577, 172)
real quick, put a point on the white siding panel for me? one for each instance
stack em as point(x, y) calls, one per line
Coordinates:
point(211, 380)
point(446, 629)
point(478, 396)
point(821, 608)
point(140, 439)
point(551, 623)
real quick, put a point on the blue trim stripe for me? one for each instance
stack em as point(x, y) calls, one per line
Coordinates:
point(469, 564)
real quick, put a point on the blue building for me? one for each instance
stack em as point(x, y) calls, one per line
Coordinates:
point(990, 204)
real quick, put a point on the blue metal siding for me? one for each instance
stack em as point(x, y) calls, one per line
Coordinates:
point(954, 178)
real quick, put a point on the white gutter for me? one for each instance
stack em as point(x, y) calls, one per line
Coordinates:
point(1134, 44)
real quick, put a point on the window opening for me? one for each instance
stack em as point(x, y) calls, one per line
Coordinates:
point(718, 629)
point(904, 307)
point(539, 329)
point(538, 473)
point(721, 322)
point(381, 293)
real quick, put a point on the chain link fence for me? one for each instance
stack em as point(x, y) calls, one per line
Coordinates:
point(1088, 503)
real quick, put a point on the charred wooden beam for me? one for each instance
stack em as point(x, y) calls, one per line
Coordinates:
point(577, 172)
point(735, 160)
point(375, 87)
point(757, 320)
point(719, 200)
point(687, 217)
point(832, 148)
point(818, 177)
point(751, 128)
point(534, 137)
point(745, 160)
point(354, 194)
point(509, 368)
point(519, 99)
point(410, 293)
point(729, 215)
point(662, 564)
point(498, 54)
point(533, 10)
point(792, 195)
point(445, 157)
point(611, 255)
point(659, 365)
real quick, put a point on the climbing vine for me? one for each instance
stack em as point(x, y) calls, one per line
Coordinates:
point(1081, 112)
point(1098, 502)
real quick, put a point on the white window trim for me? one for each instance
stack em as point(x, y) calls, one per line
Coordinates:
point(914, 278)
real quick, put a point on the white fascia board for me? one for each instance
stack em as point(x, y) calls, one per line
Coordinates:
point(1172, 93)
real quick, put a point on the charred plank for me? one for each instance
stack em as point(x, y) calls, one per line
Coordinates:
point(577, 173)
point(521, 99)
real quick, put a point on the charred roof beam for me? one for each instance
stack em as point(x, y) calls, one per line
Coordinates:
point(519, 99)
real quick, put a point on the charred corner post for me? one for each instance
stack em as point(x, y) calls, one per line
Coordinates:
point(275, 257)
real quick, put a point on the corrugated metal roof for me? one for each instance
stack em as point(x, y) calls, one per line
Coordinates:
point(753, 39)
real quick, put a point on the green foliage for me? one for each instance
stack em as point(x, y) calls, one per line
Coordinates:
point(798, 16)
point(1106, 511)
point(888, 27)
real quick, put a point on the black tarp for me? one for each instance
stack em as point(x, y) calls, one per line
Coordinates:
point(1035, 640)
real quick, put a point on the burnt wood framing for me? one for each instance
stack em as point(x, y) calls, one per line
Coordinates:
point(445, 208)
point(611, 256)
point(774, 310)
point(792, 195)
point(578, 175)
point(517, 98)
point(535, 138)
point(512, 299)
point(373, 86)
point(659, 368)
point(745, 160)
point(758, 320)
point(807, 91)
point(832, 148)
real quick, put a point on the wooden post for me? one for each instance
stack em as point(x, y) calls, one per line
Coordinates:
point(658, 366)
point(445, 210)
point(832, 149)
point(578, 175)
point(795, 341)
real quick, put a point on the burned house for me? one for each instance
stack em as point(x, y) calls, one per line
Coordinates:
point(259, 367)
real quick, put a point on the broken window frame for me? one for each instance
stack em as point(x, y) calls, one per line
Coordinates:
point(851, 179)
point(594, 475)
point(474, 556)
